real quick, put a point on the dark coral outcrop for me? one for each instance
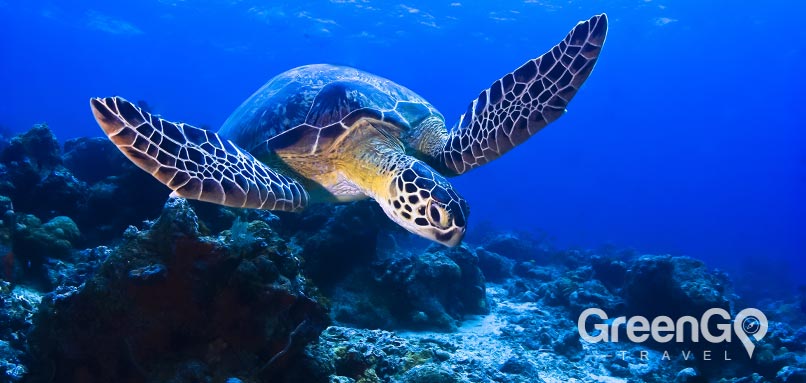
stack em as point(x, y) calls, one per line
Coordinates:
point(336, 239)
point(32, 175)
point(674, 286)
point(434, 289)
point(94, 159)
point(517, 246)
point(87, 183)
point(118, 194)
point(172, 305)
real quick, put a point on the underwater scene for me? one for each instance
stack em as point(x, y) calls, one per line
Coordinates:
point(367, 191)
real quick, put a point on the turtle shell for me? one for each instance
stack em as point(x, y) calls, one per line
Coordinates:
point(319, 97)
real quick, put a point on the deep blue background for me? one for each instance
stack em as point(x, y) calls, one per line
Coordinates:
point(688, 137)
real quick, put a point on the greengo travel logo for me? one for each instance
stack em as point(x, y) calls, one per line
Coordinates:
point(715, 326)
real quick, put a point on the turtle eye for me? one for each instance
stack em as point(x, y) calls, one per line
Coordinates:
point(439, 216)
point(436, 216)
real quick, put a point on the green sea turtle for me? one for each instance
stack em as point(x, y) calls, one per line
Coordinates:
point(323, 133)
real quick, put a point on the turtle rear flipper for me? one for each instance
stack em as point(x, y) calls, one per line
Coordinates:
point(193, 162)
point(521, 103)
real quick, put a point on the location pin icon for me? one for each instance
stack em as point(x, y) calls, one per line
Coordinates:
point(750, 323)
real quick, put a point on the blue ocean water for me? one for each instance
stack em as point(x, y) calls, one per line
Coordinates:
point(686, 139)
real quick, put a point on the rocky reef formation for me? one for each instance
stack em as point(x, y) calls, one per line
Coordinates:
point(105, 278)
point(169, 304)
point(531, 335)
point(86, 182)
point(434, 289)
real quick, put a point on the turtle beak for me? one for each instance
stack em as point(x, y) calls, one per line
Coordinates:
point(451, 232)
point(451, 238)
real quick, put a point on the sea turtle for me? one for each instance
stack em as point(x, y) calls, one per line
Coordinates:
point(324, 133)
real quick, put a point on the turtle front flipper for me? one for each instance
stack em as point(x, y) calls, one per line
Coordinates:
point(193, 162)
point(521, 103)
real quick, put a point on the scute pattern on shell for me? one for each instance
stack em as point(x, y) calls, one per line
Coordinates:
point(318, 97)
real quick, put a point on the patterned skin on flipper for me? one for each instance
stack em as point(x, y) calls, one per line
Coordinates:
point(195, 163)
point(521, 103)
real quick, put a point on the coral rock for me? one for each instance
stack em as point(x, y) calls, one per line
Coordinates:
point(170, 304)
point(674, 286)
point(429, 373)
point(513, 246)
point(335, 240)
point(34, 241)
point(94, 159)
point(38, 146)
point(496, 268)
point(790, 374)
point(686, 375)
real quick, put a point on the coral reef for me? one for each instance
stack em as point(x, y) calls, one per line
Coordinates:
point(111, 178)
point(172, 305)
point(336, 239)
point(34, 178)
point(18, 306)
point(530, 334)
point(105, 278)
point(93, 159)
point(40, 182)
point(431, 290)
point(674, 286)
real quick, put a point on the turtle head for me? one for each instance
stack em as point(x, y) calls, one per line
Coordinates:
point(423, 202)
